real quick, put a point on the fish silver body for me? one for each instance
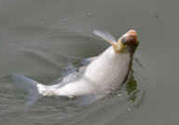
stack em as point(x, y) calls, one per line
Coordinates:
point(101, 76)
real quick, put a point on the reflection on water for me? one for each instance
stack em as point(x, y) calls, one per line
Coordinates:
point(135, 91)
point(131, 87)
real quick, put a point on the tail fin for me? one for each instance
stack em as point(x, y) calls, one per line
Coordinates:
point(29, 85)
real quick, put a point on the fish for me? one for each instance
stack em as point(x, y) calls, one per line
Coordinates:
point(102, 75)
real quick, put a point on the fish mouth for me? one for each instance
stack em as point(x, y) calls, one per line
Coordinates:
point(129, 41)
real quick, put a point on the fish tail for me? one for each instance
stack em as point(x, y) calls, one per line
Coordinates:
point(33, 88)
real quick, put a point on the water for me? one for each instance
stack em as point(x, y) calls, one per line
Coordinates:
point(40, 38)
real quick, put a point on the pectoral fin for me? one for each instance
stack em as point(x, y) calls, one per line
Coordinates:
point(105, 35)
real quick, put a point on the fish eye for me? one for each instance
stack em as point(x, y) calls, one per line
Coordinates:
point(124, 41)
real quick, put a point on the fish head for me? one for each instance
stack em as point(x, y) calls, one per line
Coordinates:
point(127, 43)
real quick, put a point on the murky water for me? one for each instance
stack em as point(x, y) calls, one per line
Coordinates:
point(40, 38)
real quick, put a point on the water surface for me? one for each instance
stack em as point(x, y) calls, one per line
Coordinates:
point(40, 38)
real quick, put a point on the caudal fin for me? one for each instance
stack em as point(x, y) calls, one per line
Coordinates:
point(28, 85)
